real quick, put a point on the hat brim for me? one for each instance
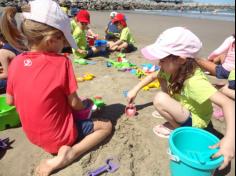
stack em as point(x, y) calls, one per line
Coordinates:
point(66, 32)
point(84, 21)
point(70, 40)
point(151, 52)
point(114, 20)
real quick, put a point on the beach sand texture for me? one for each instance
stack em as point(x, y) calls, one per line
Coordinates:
point(133, 143)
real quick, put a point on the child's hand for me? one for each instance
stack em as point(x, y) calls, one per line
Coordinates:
point(82, 51)
point(131, 95)
point(227, 149)
point(211, 57)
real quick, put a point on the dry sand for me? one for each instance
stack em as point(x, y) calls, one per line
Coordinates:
point(133, 143)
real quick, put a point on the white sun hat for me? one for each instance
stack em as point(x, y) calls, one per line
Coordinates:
point(113, 14)
point(49, 12)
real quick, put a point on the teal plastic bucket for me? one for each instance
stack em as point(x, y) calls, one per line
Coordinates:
point(190, 154)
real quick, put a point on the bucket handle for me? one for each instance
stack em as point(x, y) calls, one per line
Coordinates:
point(173, 157)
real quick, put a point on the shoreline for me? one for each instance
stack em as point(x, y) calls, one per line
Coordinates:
point(177, 13)
point(135, 4)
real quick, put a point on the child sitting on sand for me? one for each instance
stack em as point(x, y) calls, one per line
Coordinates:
point(80, 36)
point(126, 41)
point(111, 31)
point(222, 71)
point(187, 95)
point(42, 86)
point(7, 53)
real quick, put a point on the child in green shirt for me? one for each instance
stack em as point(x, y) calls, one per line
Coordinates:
point(80, 36)
point(187, 95)
point(126, 41)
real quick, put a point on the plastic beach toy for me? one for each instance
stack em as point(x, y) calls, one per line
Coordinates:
point(86, 112)
point(130, 110)
point(190, 154)
point(101, 45)
point(86, 77)
point(4, 144)
point(150, 68)
point(110, 167)
point(91, 40)
point(80, 61)
point(83, 62)
point(98, 103)
point(154, 84)
point(8, 115)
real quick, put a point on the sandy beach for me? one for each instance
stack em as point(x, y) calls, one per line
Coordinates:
point(139, 151)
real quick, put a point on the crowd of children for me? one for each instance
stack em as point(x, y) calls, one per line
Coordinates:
point(51, 123)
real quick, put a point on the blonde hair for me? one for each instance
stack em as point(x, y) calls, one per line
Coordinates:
point(30, 33)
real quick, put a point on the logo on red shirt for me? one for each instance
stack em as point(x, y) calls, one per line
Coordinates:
point(28, 62)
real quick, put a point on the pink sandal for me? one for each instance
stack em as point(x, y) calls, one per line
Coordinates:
point(162, 131)
point(218, 113)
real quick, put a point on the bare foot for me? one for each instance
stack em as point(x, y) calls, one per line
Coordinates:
point(46, 167)
point(43, 169)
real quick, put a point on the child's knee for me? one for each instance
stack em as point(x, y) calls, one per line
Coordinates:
point(107, 126)
point(125, 45)
point(159, 99)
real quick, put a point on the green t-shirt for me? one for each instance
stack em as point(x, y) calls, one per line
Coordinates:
point(73, 25)
point(80, 39)
point(195, 96)
point(65, 9)
point(127, 36)
point(232, 76)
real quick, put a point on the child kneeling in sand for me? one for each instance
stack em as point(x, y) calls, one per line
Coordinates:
point(187, 95)
point(126, 41)
point(42, 86)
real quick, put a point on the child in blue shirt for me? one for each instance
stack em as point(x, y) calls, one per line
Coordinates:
point(112, 32)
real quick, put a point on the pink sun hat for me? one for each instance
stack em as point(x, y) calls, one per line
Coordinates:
point(177, 41)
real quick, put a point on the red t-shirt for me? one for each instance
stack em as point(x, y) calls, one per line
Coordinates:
point(40, 84)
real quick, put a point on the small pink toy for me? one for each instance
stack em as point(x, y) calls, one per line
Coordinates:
point(85, 113)
point(130, 110)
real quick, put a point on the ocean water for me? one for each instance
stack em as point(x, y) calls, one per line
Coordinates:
point(224, 15)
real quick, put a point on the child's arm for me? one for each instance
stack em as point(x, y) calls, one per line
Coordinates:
point(75, 102)
point(227, 144)
point(133, 93)
point(228, 92)
point(5, 56)
point(9, 99)
point(106, 30)
point(116, 44)
point(221, 49)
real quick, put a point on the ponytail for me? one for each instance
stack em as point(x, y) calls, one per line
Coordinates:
point(30, 33)
point(9, 27)
point(184, 72)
